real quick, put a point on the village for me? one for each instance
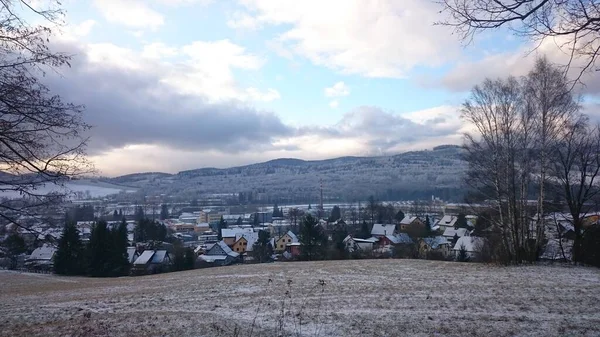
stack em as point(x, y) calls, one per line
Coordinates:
point(220, 238)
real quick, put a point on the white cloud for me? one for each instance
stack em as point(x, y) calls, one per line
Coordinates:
point(158, 50)
point(334, 104)
point(337, 90)
point(185, 2)
point(131, 13)
point(385, 38)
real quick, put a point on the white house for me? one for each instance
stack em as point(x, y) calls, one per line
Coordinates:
point(355, 244)
point(471, 244)
point(450, 232)
point(447, 221)
point(379, 230)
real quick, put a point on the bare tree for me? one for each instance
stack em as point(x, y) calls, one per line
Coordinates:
point(576, 170)
point(41, 141)
point(549, 103)
point(575, 24)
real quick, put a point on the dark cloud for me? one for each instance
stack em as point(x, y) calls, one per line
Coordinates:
point(132, 107)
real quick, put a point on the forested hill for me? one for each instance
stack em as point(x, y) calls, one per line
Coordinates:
point(416, 174)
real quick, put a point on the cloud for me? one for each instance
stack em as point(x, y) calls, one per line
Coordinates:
point(334, 104)
point(128, 103)
point(384, 38)
point(465, 75)
point(130, 13)
point(337, 90)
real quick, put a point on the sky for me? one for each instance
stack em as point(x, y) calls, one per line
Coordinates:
point(171, 85)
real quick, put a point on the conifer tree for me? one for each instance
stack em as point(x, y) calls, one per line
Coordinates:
point(98, 251)
point(313, 239)
point(70, 255)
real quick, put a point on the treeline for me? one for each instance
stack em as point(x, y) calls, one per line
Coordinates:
point(105, 254)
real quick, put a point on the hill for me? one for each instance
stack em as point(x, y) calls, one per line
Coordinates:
point(410, 175)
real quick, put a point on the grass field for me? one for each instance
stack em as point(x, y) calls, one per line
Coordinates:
point(330, 298)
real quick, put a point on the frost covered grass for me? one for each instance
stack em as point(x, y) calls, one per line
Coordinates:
point(329, 298)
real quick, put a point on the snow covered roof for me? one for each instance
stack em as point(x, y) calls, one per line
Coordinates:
point(226, 249)
point(232, 232)
point(293, 236)
point(450, 232)
point(435, 242)
point(383, 230)
point(159, 256)
point(43, 253)
point(251, 238)
point(131, 254)
point(212, 258)
point(471, 243)
point(399, 238)
point(144, 258)
point(408, 220)
point(447, 221)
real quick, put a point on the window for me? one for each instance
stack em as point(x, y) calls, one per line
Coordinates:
point(289, 240)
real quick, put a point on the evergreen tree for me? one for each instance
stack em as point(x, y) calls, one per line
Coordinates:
point(194, 202)
point(139, 213)
point(336, 214)
point(98, 251)
point(462, 254)
point(115, 215)
point(399, 216)
point(428, 231)
point(189, 259)
point(164, 211)
point(339, 234)
point(262, 250)
point(275, 211)
point(365, 231)
point(118, 253)
point(15, 246)
point(461, 221)
point(239, 221)
point(120, 213)
point(70, 254)
point(312, 239)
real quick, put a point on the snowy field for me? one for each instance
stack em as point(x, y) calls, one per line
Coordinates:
point(331, 298)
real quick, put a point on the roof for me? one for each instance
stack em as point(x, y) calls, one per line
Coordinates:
point(212, 258)
point(447, 221)
point(232, 232)
point(450, 232)
point(408, 220)
point(380, 229)
point(399, 238)
point(436, 241)
point(471, 243)
point(43, 253)
point(159, 256)
point(131, 254)
point(144, 258)
point(251, 238)
point(293, 236)
point(226, 249)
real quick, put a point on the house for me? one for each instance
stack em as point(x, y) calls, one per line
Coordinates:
point(244, 242)
point(380, 230)
point(447, 221)
point(435, 244)
point(228, 235)
point(151, 262)
point(397, 239)
point(283, 241)
point(353, 244)
point(219, 255)
point(450, 233)
point(293, 250)
point(41, 258)
point(556, 250)
point(471, 244)
point(160, 262)
point(410, 220)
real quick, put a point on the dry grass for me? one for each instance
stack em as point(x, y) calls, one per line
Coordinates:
point(360, 298)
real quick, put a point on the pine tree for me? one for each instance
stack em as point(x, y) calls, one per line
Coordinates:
point(164, 211)
point(262, 250)
point(312, 239)
point(336, 214)
point(399, 216)
point(189, 259)
point(15, 246)
point(461, 221)
point(115, 215)
point(98, 251)
point(428, 231)
point(70, 255)
point(118, 253)
point(365, 231)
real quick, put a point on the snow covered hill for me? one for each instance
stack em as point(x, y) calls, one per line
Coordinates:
point(417, 174)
